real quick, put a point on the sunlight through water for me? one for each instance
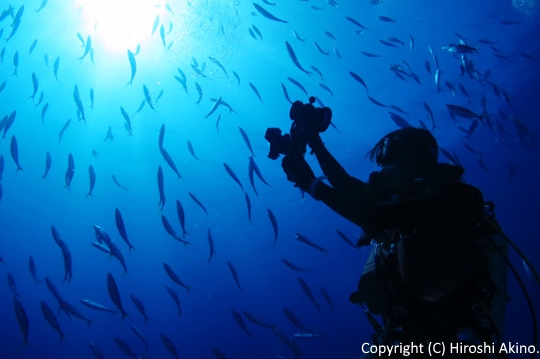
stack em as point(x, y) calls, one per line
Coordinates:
point(120, 24)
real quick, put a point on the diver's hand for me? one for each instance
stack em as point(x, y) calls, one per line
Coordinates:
point(298, 171)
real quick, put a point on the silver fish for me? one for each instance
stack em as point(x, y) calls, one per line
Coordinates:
point(294, 59)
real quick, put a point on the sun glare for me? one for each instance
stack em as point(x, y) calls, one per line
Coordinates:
point(120, 24)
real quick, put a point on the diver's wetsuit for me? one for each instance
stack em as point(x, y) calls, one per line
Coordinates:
point(427, 273)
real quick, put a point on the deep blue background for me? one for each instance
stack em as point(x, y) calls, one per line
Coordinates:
point(220, 29)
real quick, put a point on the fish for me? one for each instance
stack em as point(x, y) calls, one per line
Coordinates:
point(170, 230)
point(387, 43)
point(125, 347)
point(294, 320)
point(430, 115)
point(411, 43)
point(156, 23)
point(15, 152)
point(427, 66)
point(369, 54)
point(307, 241)
point(11, 284)
point(327, 298)
point(3, 86)
point(324, 87)
point(36, 86)
point(70, 171)
point(298, 84)
point(233, 175)
point(169, 161)
point(451, 88)
point(285, 93)
point(15, 62)
point(147, 97)
point(200, 91)
point(121, 227)
point(112, 288)
point(376, 102)
point(308, 292)
point(43, 4)
point(385, 19)
point(95, 154)
point(181, 217)
point(92, 98)
point(97, 306)
point(483, 165)
point(218, 354)
point(133, 64)
point(267, 15)
point(214, 107)
point(161, 188)
point(298, 36)
point(248, 204)
point(471, 149)
point(175, 277)
point(139, 334)
point(162, 35)
point(32, 267)
point(246, 139)
point(74, 311)
point(234, 274)
point(240, 322)
point(140, 306)
point(54, 291)
point(32, 47)
point(97, 352)
point(216, 61)
point(438, 79)
point(66, 254)
point(116, 182)
point(22, 320)
point(210, 245)
point(2, 164)
point(141, 106)
point(55, 67)
point(256, 92)
point(359, 79)
point(192, 151)
point(462, 112)
point(318, 71)
point(355, 22)
point(176, 299)
point(41, 97)
point(169, 345)
point(198, 202)
point(294, 59)
point(161, 136)
point(9, 122)
point(16, 22)
point(257, 321)
point(460, 48)
point(398, 120)
point(274, 223)
point(51, 319)
point(77, 99)
point(288, 342)
point(92, 175)
point(347, 240)
point(237, 77)
point(87, 48)
point(294, 266)
point(318, 47)
point(102, 248)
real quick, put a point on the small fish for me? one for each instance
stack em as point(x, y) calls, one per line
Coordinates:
point(294, 320)
point(460, 48)
point(294, 266)
point(116, 182)
point(200, 91)
point(140, 306)
point(139, 334)
point(214, 107)
point(95, 154)
point(175, 277)
point(294, 59)
point(92, 98)
point(266, 14)
point(87, 48)
point(192, 151)
point(170, 230)
point(234, 274)
point(347, 240)
point(324, 87)
point(169, 161)
point(359, 79)
point(181, 217)
point(32, 47)
point(125, 347)
point(22, 319)
point(92, 175)
point(43, 4)
point(44, 111)
point(274, 223)
point(411, 43)
point(256, 92)
point(175, 297)
point(112, 288)
point(198, 202)
point(147, 97)
point(3, 86)
point(248, 204)
point(298, 84)
point(308, 292)
point(77, 99)
point(70, 171)
point(246, 140)
point(74, 311)
point(97, 306)
point(438, 80)
point(233, 175)
point(307, 241)
point(156, 23)
point(161, 188)
point(55, 67)
point(376, 102)
point(327, 298)
point(169, 345)
point(133, 65)
point(121, 227)
point(298, 36)
point(36, 86)
point(369, 54)
point(48, 162)
point(257, 321)
point(385, 19)
point(211, 246)
point(237, 77)
point(51, 319)
point(285, 93)
point(15, 152)
point(398, 120)
point(240, 321)
point(356, 22)
point(318, 47)
point(97, 352)
point(162, 35)
point(462, 112)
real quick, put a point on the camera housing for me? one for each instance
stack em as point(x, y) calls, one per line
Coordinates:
point(307, 119)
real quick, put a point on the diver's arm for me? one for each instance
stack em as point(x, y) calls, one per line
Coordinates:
point(337, 176)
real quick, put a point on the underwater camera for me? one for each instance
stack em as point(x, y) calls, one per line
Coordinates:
point(306, 120)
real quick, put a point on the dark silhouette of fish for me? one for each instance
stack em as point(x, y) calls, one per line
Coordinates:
point(51, 319)
point(210, 246)
point(112, 288)
point(14, 148)
point(175, 277)
point(233, 175)
point(22, 319)
point(294, 59)
point(308, 292)
point(240, 321)
point(133, 65)
point(92, 175)
point(266, 14)
point(234, 274)
point(198, 202)
point(140, 306)
point(169, 345)
point(176, 299)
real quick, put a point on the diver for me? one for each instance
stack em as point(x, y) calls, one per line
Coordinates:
point(428, 275)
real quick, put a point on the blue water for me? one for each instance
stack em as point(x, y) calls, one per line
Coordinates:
point(29, 205)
